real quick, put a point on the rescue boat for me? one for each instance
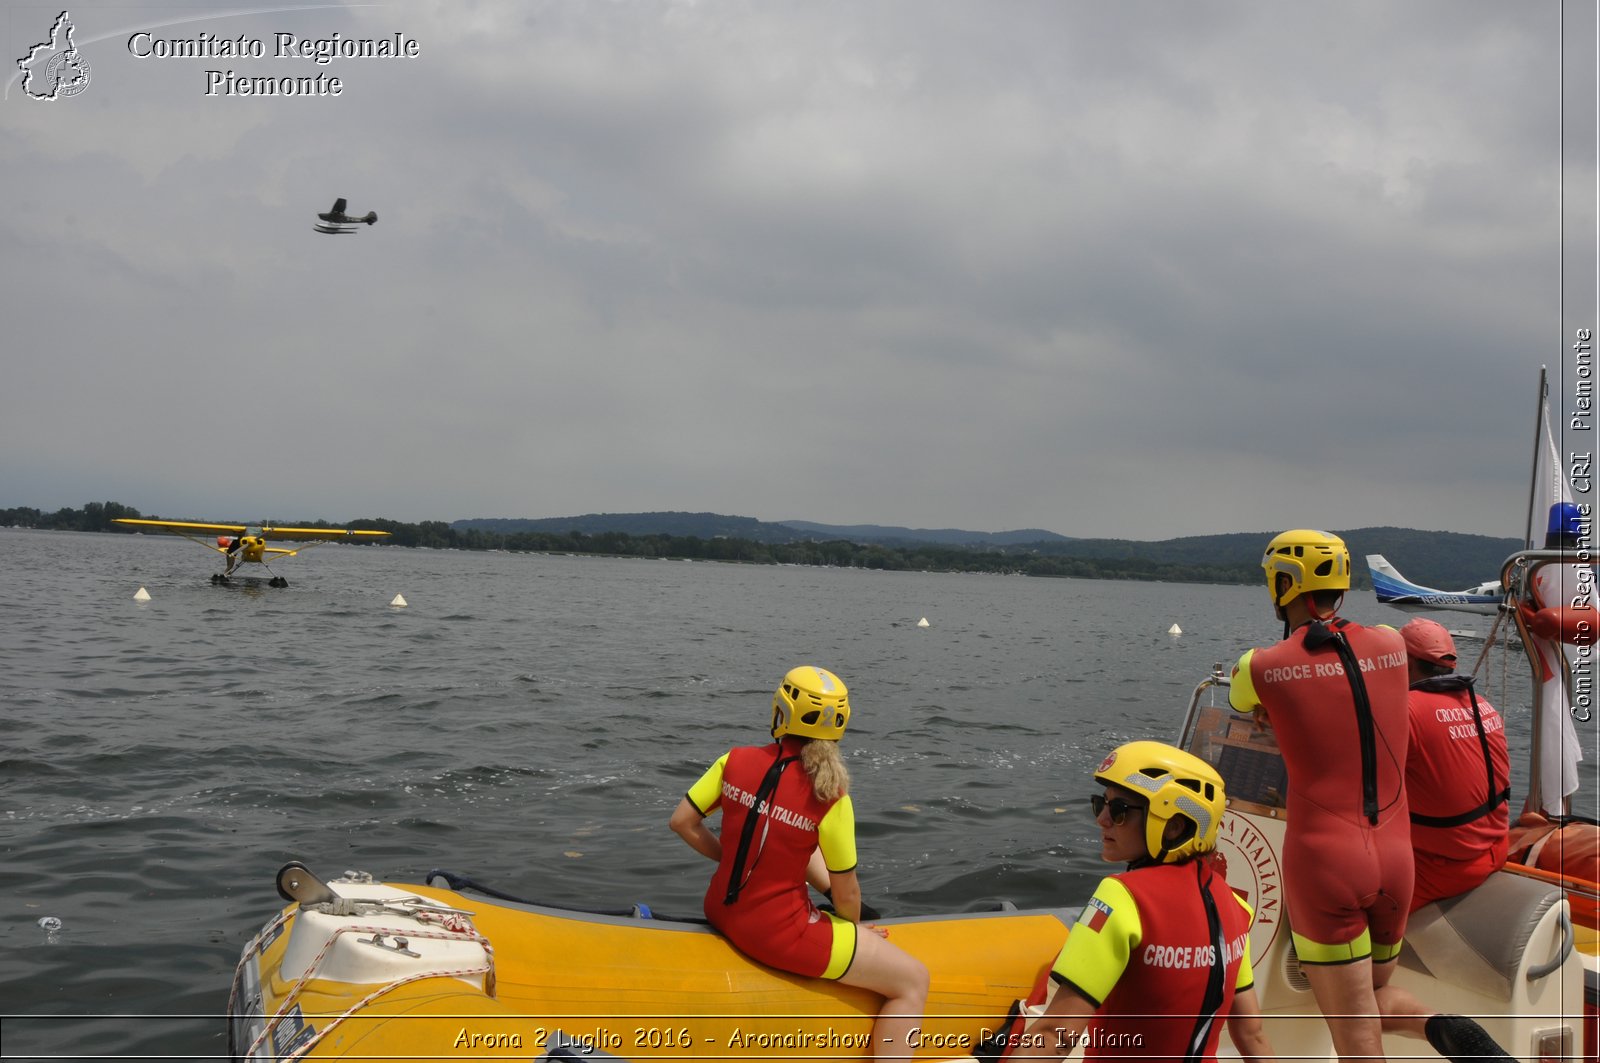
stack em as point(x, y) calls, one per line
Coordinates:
point(354, 968)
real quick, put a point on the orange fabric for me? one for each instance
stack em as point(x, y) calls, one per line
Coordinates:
point(1571, 850)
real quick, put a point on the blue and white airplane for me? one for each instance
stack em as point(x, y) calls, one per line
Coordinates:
point(1394, 589)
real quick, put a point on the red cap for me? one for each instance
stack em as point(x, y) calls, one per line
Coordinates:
point(1427, 640)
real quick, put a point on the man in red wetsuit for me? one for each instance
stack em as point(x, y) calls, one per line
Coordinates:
point(1335, 696)
point(1457, 771)
point(1161, 954)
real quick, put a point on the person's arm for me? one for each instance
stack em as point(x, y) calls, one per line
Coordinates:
point(817, 873)
point(1246, 1029)
point(688, 824)
point(1091, 963)
point(846, 895)
point(1242, 693)
point(1054, 1034)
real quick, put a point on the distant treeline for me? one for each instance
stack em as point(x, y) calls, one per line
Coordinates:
point(918, 557)
point(1434, 558)
point(95, 516)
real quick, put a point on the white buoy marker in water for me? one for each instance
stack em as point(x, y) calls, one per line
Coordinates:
point(141, 595)
point(923, 622)
point(398, 601)
point(1174, 630)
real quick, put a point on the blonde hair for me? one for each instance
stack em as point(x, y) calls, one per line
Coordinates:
point(830, 779)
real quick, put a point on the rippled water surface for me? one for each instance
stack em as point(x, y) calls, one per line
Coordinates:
point(529, 721)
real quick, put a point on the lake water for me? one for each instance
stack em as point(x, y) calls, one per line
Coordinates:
point(529, 721)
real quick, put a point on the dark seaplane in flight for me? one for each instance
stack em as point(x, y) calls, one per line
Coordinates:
point(247, 544)
point(337, 223)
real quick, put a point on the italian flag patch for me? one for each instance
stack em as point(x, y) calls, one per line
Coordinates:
point(1095, 914)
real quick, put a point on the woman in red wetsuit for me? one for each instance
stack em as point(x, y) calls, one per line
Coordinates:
point(1160, 957)
point(782, 803)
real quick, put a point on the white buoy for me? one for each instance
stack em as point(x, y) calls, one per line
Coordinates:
point(141, 595)
point(398, 601)
point(1174, 630)
point(923, 622)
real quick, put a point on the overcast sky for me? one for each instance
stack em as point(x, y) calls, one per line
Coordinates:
point(1107, 269)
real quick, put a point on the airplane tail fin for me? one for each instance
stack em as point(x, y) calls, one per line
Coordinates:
point(1394, 589)
point(1386, 579)
point(1390, 586)
point(371, 217)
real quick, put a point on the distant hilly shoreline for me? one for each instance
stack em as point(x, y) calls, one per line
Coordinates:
point(1447, 560)
point(717, 525)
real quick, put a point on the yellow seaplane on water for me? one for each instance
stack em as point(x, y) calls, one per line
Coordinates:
point(244, 544)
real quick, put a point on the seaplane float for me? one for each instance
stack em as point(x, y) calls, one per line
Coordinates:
point(447, 970)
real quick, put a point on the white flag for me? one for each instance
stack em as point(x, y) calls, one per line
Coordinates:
point(1553, 585)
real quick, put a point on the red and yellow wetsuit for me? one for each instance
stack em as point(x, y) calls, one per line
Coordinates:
point(1450, 783)
point(1142, 946)
point(773, 919)
point(1347, 845)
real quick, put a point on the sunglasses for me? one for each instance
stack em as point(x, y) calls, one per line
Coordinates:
point(1119, 808)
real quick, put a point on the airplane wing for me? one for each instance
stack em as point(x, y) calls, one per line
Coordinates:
point(338, 207)
point(321, 533)
point(182, 526)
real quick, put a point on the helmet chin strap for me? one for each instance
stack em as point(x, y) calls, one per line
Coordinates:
point(1311, 610)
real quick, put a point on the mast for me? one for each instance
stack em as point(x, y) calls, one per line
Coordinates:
point(1538, 441)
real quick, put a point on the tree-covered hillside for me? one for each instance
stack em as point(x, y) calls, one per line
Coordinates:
point(1446, 560)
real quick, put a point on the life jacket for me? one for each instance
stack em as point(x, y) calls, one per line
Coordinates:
point(1187, 964)
point(1569, 847)
point(1193, 934)
point(1446, 752)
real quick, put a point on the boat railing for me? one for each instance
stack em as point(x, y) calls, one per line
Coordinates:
point(1517, 578)
point(1219, 677)
point(1520, 566)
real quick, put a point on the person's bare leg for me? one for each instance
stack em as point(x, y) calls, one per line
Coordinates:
point(902, 979)
point(1455, 1037)
point(1349, 1006)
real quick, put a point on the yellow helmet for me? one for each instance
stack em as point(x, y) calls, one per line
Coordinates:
point(1313, 561)
point(810, 702)
point(1176, 784)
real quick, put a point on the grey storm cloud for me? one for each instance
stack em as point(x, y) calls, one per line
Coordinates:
point(1141, 270)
